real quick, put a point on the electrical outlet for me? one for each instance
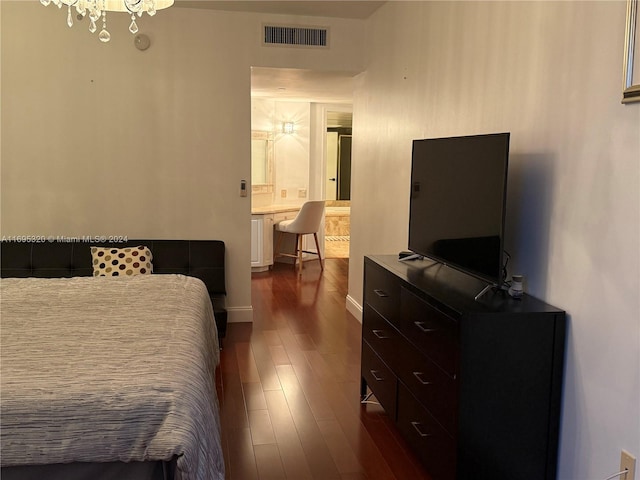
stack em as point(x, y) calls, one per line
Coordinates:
point(628, 462)
point(283, 193)
point(302, 193)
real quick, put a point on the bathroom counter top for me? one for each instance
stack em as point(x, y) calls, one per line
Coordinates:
point(269, 209)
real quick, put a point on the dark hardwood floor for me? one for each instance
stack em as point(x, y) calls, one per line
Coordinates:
point(289, 387)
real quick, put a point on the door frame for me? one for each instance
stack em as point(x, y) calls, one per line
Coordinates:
point(317, 146)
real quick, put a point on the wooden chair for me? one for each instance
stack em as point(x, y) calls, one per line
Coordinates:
point(307, 222)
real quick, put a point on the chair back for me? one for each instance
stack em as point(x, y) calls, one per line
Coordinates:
point(308, 218)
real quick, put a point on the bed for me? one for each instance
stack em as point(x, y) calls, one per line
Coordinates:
point(33, 256)
point(109, 377)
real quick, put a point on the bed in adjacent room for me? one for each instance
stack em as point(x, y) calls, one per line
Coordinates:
point(109, 371)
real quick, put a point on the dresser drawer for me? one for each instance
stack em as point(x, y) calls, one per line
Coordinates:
point(432, 444)
point(382, 291)
point(431, 386)
point(380, 379)
point(384, 339)
point(434, 333)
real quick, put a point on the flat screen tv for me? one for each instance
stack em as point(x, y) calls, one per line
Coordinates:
point(457, 206)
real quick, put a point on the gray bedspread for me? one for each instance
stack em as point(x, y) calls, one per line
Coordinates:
point(99, 369)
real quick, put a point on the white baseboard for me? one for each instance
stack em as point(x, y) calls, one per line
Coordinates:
point(354, 308)
point(239, 314)
point(245, 314)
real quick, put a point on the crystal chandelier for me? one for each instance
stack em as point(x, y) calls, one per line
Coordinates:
point(99, 8)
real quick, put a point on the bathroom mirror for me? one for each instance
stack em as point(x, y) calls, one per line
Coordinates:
point(261, 161)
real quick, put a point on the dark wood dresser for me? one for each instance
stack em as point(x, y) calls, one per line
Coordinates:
point(474, 386)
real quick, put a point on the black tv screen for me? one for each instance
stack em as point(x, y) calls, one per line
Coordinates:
point(457, 206)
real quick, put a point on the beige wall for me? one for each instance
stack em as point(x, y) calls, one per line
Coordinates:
point(551, 74)
point(105, 139)
point(291, 151)
point(291, 156)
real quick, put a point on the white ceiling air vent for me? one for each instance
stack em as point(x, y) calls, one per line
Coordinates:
point(295, 36)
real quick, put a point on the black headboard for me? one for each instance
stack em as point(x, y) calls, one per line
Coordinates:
point(203, 259)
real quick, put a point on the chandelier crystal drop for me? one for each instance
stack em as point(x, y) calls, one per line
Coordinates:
point(99, 8)
point(133, 28)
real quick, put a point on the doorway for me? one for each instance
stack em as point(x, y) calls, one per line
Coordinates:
point(313, 102)
point(338, 185)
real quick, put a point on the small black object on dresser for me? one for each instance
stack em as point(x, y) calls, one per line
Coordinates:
point(474, 387)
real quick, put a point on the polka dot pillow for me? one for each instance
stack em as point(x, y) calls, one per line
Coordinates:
point(113, 262)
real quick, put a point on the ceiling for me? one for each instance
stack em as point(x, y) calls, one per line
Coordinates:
point(328, 8)
point(289, 84)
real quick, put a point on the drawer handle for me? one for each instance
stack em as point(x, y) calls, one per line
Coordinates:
point(380, 293)
point(418, 375)
point(416, 426)
point(421, 326)
point(380, 334)
point(374, 374)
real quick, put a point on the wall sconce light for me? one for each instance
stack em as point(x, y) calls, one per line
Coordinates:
point(287, 127)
